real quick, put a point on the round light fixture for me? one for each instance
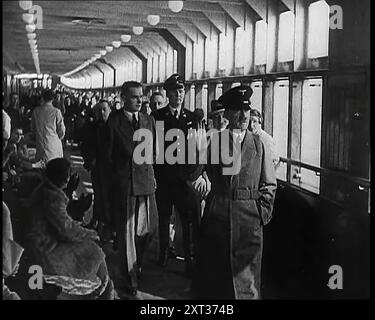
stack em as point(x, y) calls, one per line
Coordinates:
point(97, 56)
point(138, 30)
point(103, 52)
point(30, 28)
point(175, 6)
point(31, 36)
point(126, 37)
point(28, 18)
point(153, 19)
point(31, 42)
point(109, 48)
point(116, 44)
point(25, 5)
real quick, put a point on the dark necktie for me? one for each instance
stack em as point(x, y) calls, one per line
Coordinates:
point(176, 114)
point(135, 122)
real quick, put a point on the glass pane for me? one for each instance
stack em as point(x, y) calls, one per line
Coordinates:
point(280, 123)
point(318, 30)
point(192, 97)
point(204, 99)
point(218, 90)
point(286, 37)
point(311, 132)
point(260, 42)
point(256, 98)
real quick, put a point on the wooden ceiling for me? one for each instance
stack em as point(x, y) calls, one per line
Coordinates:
point(74, 31)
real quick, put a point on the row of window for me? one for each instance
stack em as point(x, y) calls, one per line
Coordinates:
point(217, 55)
point(278, 119)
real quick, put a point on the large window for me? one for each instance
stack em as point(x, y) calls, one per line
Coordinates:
point(218, 90)
point(286, 37)
point(192, 97)
point(260, 42)
point(318, 30)
point(311, 132)
point(256, 98)
point(280, 124)
point(204, 99)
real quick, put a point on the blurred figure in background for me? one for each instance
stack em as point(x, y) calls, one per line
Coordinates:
point(95, 161)
point(48, 127)
point(255, 127)
point(156, 101)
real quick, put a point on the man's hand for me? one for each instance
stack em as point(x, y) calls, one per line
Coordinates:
point(200, 186)
point(93, 235)
point(257, 131)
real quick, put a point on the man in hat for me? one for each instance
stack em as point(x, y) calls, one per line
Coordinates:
point(217, 116)
point(228, 261)
point(172, 185)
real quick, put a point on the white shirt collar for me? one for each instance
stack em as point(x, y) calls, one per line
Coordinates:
point(240, 135)
point(130, 114)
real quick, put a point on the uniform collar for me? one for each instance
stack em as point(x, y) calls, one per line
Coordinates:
point(173, 110)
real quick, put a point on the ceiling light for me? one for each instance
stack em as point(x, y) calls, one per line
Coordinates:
point(28, 18)
point(138, 30)
point(109, 48)
point(30, 27)
point(31, 36)
point(25, 5)
point(103, 52)
point(97, 56)
point(153, 19)
point(116, 44)
point(126, 37)
point(175, 6)
point(31, 42)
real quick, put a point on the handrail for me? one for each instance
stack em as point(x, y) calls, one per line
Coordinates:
point(364, 183)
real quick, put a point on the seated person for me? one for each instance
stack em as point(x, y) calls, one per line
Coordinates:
point(63, 248)
point(12, 252)
point(16, 154)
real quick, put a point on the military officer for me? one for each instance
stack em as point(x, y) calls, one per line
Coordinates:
point(228, 261)
point(173, 187)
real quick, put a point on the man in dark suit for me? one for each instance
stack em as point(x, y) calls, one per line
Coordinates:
point(94, 140)
point(228, 262)
point(133, 183)
point(173, 187)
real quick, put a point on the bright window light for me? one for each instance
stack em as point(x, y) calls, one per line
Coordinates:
point(256, 98)
point(260, 42)
point(280, 123)
point(192, 97)
point(311, 132)
point(286, 37)
point(318, 30)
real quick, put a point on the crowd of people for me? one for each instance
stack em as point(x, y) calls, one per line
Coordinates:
point(221, 215)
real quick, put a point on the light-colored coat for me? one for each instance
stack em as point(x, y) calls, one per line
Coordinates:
point(47, 124)
point(228, 260)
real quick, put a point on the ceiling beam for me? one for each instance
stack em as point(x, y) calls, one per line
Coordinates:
point(235, 12)
point(290, 4)
point(217, 19)
point(260, 7)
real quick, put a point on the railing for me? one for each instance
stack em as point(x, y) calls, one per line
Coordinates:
point(362, 182)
